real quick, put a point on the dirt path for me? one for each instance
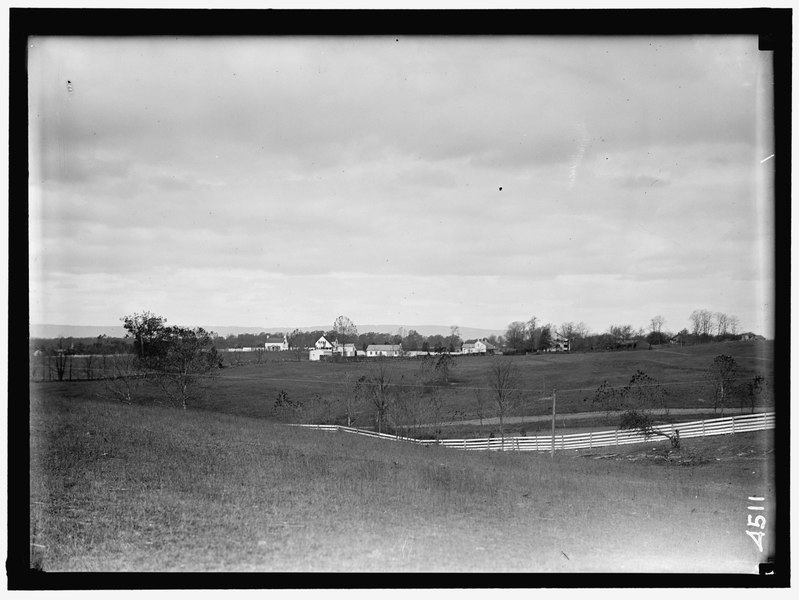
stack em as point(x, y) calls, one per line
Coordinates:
point(593, 415)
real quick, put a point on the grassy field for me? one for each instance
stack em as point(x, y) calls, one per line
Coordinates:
point(118, 488)
point(251, 389)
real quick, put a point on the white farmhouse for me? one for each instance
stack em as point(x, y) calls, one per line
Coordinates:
point(346, 350)
point(323, 344)
point(275, 344)
point(384, 350)
point(559, 344)
point(478, 347)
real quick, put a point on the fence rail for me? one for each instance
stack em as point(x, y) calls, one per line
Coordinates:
point(593, 439)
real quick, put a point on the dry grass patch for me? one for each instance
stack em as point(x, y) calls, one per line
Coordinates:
point(117, 487)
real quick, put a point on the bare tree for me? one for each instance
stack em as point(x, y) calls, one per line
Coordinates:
point(639, 401)
point(702, 322)
point(723, 373)
point(350, 396)
point(62, 360)
point(295, 345)
point(125, 378)
point(454, 337)
point(88, 366)
point(503, 379)
point(379, 383)
point(722, 323)
point(409, 409)
point(479, 404)
point(656, 323)
point(696, 322)
point(733, 324)
point(259, 355)
point(345, 329)
point(531, 326)
point(435, 408)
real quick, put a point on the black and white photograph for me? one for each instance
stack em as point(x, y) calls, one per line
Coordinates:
point(409, 302)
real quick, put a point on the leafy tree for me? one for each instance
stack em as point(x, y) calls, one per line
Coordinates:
point(436, 343)
point(516, 336)
point(454, 339)
point(145, 329)
point(412, 340)
point(753, 389)
point(178, 358)
point(443, 365)
point(621, 333)
point(186, 356)
point(544, 338)
point(296, 345)
point(723, 373)
point(503, 380)
point(285, 407)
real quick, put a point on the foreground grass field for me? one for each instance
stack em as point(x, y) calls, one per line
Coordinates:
point(117, 488)
point(251, 389)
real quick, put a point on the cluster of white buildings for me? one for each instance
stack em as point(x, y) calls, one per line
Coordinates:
point(325, 348)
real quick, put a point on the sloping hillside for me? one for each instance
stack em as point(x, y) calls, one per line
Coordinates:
point(117, 487)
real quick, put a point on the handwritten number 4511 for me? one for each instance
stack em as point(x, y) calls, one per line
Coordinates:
point(759, 521)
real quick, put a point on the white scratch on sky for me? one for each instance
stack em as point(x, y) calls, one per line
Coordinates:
point(577, 157)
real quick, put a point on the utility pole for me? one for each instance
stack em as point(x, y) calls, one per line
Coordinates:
point(554, 397)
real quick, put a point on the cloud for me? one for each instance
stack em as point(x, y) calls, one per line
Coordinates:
point(339, 159)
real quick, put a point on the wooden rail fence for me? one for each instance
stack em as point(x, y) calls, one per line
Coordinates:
point(593, 439)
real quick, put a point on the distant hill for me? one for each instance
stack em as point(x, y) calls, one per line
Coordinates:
point(425, 330)
point(50, 331)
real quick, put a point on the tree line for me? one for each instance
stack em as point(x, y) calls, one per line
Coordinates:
point(344, 331)
point(534, 336)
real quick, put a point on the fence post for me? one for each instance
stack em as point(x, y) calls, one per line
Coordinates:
point(733, 423)
point(464, 443)
point(590, 439)
point(703, 428)
point(562, 442)
point(617, 437)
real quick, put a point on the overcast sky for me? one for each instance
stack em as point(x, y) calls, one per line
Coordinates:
point(469, 181)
